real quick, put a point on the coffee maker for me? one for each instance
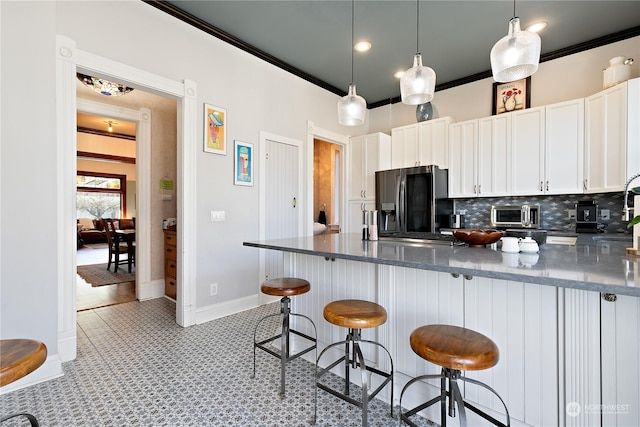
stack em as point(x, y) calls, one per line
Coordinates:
point(586, 216)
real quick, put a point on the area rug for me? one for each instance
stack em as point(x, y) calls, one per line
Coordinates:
point(98, 275)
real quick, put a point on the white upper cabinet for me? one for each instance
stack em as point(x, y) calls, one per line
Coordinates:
point(548, 149)
point(367, 154)
point(404, 146)
point(479, 157)
point(494, 151)
point(564, 147)
point(421, 144)
point(433, 147)
point(612, 137)
point(527, 151)
point(463, 143)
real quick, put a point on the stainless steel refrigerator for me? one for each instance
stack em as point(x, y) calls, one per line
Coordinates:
point(412, 202)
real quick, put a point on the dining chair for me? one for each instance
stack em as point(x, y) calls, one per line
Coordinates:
point(116, 246)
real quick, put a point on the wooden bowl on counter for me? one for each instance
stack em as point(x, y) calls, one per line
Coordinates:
point(478, 238)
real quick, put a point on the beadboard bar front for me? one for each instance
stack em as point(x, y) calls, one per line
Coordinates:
point(549, 334)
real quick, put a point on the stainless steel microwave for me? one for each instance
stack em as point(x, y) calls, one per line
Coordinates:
point(517, 216)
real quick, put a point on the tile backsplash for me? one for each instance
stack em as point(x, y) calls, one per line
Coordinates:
point(554, 210)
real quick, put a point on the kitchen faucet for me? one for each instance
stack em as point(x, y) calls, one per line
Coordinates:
point(626, 209)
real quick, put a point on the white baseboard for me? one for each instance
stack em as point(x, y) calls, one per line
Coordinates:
point(68, 345)
point(151, 290)
point(216, 311)
point(50, 369)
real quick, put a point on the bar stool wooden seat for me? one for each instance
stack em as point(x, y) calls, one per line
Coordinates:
point(20, 357)
point(284, 287)
point(355, 315)
point(455, 349)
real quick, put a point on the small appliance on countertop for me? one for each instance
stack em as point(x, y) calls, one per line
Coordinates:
point(516, 216)
point(586, 216)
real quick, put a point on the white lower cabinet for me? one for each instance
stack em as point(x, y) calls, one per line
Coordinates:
point(521, 318)
point(567, 357)
point(620, 334)
point(599, 367)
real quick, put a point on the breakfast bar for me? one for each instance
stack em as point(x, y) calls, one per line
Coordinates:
point(565, 319)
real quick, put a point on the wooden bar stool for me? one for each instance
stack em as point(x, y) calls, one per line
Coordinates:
point(455, 349)
point(20, 357)
point(285, 288)
point(355, 315)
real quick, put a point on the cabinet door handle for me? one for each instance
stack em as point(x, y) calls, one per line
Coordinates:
point(609, 297)
point(475, 189)
point(479, 188)
point(541, 185)
point(547, 185)
point(364, 193)
point(584, 184)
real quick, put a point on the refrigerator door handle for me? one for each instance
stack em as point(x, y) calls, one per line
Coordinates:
point(401, 202)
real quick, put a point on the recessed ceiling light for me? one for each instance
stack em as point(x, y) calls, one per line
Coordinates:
point(537, 27)
point(362, 46)
point(398, 74)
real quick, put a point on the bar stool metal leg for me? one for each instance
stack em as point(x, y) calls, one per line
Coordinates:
point(285, 341)
point(455, 399)
point(32, 420)
point(354, 358)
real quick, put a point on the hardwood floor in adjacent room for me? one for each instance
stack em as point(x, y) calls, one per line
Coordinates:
point(87, 296)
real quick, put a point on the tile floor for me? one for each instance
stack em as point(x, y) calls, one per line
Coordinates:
point(137, 367)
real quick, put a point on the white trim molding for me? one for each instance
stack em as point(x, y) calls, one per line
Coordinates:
point(68, 59)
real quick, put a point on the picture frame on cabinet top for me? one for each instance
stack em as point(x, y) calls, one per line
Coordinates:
point(511, 96)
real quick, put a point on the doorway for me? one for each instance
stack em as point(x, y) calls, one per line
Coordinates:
point(70, 60)
point(327, 184)
point(106, 188)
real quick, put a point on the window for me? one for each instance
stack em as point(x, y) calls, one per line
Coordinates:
point(100, 195)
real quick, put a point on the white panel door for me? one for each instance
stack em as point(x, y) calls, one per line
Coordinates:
point(282, 191)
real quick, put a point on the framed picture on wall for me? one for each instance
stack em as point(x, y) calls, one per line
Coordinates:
point(243, 161)
point(215, 130)
point(511, 96)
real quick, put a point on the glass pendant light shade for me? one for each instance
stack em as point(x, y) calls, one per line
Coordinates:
point(351, 108)
point(417, 84)
point(516, 55)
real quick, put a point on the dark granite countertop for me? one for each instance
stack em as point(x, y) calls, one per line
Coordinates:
point(594, 265)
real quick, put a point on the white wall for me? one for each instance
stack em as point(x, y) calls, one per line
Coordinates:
point(571, 77)
point(29, 276)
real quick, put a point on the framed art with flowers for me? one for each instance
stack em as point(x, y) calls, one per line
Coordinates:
point(511, 96)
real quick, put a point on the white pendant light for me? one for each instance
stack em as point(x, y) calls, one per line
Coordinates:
point(516, 55)
point(352, 107)
point(417, 84)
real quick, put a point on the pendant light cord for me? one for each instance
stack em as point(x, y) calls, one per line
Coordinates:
point(353, 7)
point(418, 25)
point(514, 8)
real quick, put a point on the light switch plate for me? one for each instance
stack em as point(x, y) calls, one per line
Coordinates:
point(217, 216)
